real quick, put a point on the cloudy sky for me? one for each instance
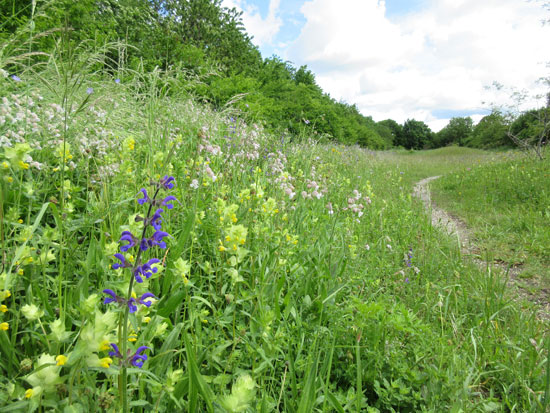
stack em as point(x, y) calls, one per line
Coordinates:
point(429, 60)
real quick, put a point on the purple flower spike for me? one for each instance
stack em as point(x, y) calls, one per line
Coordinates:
point(128, 237)
point(145, 198)
point(167, 199)
point(115, 352)
point(123, 264)
point(143, 299)
point(167, 182)
point(132, 305)
point(138, 359)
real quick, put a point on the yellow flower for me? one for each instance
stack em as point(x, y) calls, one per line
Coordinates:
point(221, 248)
point(61, 360)
point(4, 326)
point(105, 345)
point(132, 337)
point(21, 271)
point(3, 308)
point(28, 393)
point(23, 165)
point(106, 362)
point(146, 319)
point(9, 179)
point(5, 165)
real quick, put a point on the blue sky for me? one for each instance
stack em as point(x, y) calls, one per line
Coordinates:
point(424, 59)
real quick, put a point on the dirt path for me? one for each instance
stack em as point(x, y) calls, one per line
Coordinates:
point(455, 227)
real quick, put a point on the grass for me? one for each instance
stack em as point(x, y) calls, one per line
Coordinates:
point(296, 277)
point(506, 202)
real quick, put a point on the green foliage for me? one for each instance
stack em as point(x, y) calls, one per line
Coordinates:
point(490, 132)
point(457, 132)
point(416, 135)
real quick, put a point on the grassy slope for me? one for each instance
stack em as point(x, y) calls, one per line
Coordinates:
point(320, 304)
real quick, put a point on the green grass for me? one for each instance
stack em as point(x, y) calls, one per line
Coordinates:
point(506, 202)
point(269, 298)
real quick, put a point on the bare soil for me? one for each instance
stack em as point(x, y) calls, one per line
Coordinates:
point(523, 289)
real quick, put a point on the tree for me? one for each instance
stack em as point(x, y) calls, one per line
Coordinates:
point(416, 134)
point(396, 130)
point(529, 129)
point(457, 131)
point(490, 132)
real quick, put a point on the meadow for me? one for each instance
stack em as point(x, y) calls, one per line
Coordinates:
point(158, 255)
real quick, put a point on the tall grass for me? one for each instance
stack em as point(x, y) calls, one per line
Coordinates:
point(298, 277)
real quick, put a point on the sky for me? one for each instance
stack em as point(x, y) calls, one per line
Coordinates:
point(428, 60)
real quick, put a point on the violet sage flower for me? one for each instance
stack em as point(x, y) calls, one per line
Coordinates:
point(145, 270)
point(123, 262)
point(128, 237)
point(167, 182)
point(145, 198)
point(137, 359)
point(143, 299)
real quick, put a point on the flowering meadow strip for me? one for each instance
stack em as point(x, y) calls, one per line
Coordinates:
point(216, 293)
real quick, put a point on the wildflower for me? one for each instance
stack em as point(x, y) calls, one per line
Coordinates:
point(194, 184)
point(4, 326)
point(123, 264)
point(3, 308)
point(156, 219)
point(145, 270)
point(58, 330)
point(145, 198)
point(105, 362)
point(143, 299)
point(61, 360)
point(128, 237)
point(117, 81)
point(16, 78)
point(138, 358)
point(167, 182)
point(168, 199)
point(115, 352)
point(32, 312)
point(29, 393)
point(90, 90)
point(156, 239)
point(46, 373)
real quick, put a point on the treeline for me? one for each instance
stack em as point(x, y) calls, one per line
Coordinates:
point(206, 44)
point(492, 131)
point(207, 47)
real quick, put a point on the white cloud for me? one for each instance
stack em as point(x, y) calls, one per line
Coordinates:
point(263, 29)
point(439, 58)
